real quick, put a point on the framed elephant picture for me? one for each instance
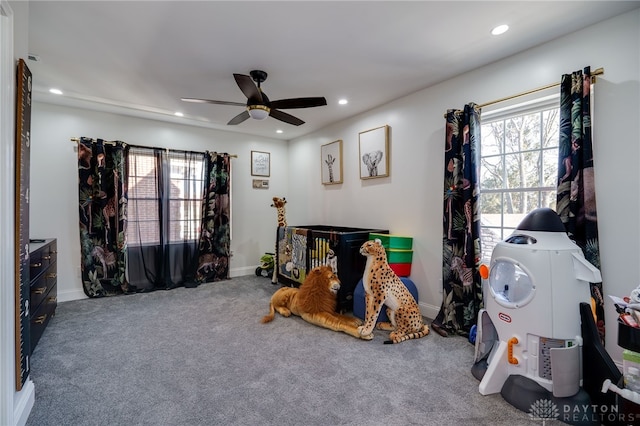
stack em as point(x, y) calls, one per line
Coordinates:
point(331, 162)
point(374, 153)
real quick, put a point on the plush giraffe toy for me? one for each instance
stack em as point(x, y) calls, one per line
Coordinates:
point(278, 203)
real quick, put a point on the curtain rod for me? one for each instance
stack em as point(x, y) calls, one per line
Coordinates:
point(76, 140)
point(598, 71)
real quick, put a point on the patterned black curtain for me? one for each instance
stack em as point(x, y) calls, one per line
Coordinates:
point(215, 233)
point(462, 295)
point(165, 190)
point(576, 194)
point(102, 185)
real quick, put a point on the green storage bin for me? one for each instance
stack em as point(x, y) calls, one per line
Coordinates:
point(399, 256)
point(396, 242)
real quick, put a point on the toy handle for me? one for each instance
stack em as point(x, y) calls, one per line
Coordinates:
point(512, 359)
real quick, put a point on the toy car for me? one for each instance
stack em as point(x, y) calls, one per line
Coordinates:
point(266, 265)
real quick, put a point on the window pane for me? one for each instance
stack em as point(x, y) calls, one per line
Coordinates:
point(548, 199)
point(491, 208)
point(531, 168)
point(550, 167)
point(491, 172)
point(550, 128)
point(490, 237)
point(514, 172)
point(513, 133)
point(531, 131)
point(492, 136)
point(143, 232)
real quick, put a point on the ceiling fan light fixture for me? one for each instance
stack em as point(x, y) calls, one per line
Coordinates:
point(258, 112)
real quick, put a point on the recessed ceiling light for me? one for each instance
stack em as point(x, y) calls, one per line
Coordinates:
point(343, 101)
point(278, 131)
point(178, 114)
point(55, 91)
point(500, 29)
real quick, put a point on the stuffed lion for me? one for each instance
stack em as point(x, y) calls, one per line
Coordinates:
point(315, 301)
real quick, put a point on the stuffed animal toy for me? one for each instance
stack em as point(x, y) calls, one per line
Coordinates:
point(382, 286)
point(315, 301)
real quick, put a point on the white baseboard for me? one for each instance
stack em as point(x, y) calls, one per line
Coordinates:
point(241, 272)
point(67, 296)
point(23, 403)
point(429, 311)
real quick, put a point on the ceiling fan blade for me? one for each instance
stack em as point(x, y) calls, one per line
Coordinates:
point(248, 87)
point(287, 118)
point(239, 118)
point(210, 101)
point(298, 103)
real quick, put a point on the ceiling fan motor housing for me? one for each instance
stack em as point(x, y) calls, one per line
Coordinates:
point(258, 76)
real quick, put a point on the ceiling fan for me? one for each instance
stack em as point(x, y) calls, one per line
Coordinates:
point(258, 105)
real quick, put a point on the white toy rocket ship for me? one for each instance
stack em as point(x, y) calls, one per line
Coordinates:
point(530, 326)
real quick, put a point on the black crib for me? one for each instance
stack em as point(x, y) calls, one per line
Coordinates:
point(302, 248)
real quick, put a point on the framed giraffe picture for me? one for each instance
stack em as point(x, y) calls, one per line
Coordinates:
point(331, 162)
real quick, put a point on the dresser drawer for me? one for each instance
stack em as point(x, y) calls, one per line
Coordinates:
point(41, 317)
point(36, 265)
point(41, 287)
point(41, 258)
point(51, 253)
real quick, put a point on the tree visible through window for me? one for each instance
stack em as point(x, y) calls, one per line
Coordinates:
point(518, 169)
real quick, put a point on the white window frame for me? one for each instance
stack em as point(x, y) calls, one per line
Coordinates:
point(538, 102)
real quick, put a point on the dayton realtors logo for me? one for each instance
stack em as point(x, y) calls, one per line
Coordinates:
point(545, 410)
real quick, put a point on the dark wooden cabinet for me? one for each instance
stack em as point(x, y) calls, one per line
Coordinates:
point(43, 297)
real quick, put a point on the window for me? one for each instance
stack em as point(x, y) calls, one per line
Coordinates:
point(518, 166)
point(152, 217)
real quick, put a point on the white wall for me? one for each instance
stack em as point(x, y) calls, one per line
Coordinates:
point(14, 405)
point(54, 181)
point(409, 202)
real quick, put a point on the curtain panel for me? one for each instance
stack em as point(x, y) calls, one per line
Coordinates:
point(576, 194)
point(102, 182)
point(215, 233)
point(165, 192)
point(462, 287)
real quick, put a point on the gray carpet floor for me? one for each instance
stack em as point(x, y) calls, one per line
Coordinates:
point(200, 356)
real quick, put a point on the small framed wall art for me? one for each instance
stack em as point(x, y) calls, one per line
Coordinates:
point(260, 163)
point(374, 153)
point(331, 162)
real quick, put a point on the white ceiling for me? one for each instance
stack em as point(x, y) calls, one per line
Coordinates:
point(140, 57)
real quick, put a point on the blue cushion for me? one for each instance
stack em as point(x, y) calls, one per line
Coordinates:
point(359, 305)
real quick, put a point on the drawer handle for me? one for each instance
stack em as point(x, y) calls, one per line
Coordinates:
point(36, 265)
point(46, 257)
point(54, 252)
point(39, 290)
point(52, 275)
point(52, 299)
point(41, 319)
